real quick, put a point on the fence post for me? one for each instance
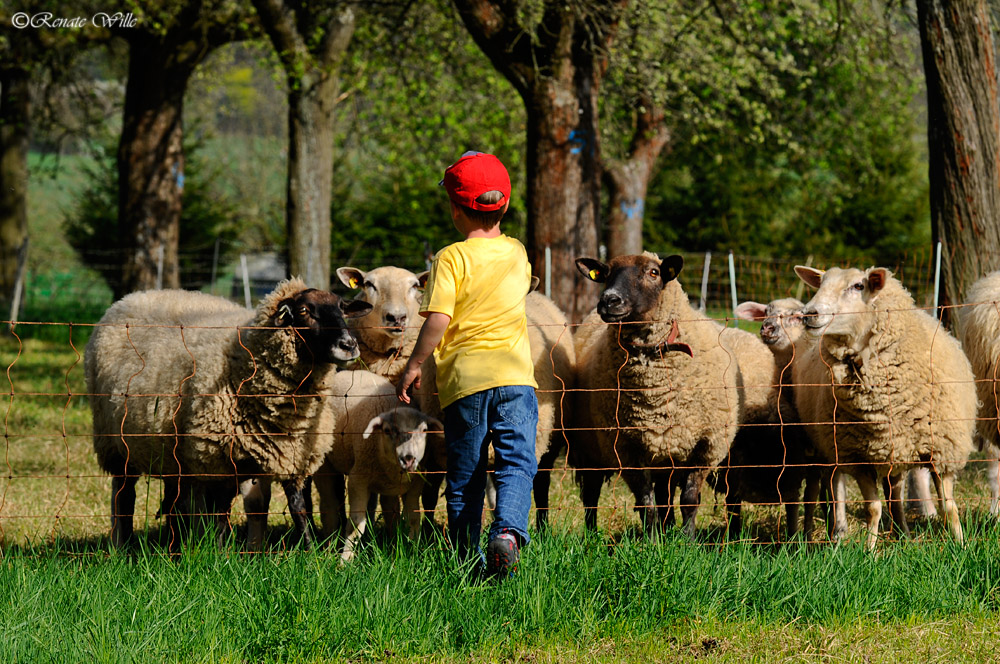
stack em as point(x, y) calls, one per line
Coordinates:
point(548, 271)
point(215, 265)
point(246, 280)
point(22, 265)
point(937, 280)
point(704, 280)
point(732, 286)
point(159, 267)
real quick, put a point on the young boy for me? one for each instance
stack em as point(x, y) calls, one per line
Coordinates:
point(474, 316)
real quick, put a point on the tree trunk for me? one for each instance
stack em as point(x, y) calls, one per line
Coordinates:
point(151, 164)
point(964, 139)
point(563, 181)
point(628, 182)
point(310, 177)
point(15, 107)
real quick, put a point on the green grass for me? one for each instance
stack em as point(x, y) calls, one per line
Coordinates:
point(572, 594)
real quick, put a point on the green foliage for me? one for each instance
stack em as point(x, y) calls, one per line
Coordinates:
point(792, 126)
point(208, 215)
point(420, 93)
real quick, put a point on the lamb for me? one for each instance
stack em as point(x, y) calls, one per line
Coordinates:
point(769, 460)
point(378, 444)
point(660, 393)
point(206, 394)
point(979, 331)
point(883, 389)
point(554, 359)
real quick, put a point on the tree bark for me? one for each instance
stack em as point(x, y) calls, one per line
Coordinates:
point(558, 72)
point(312, 71)
point(15, 110)
point(964, 140)
point(628, 181)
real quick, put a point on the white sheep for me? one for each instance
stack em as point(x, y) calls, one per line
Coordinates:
point(771, 457)
point(386, 336)
point(658, 395)
point(378, 445)
point(885, 388)
point(979, 331)
point(203, 393)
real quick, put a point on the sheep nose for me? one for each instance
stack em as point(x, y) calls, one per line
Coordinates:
point(395, 321)
point(612, 299)
point(347, 343)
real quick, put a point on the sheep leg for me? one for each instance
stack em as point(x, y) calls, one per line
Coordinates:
point(358, 496)
point(218, 503)
point(993, 479)
point(691, 498)
point(837, 510)
point(297, 508)
point(541, 484)
point(664, 488)
point(893, 488)
point(946, 491)
point(330, 487)
point(429, 496)
point(123, 508)
point(390, 512)
point(641, 484)
point(918, 497)
point(411, 506)
point(811, 500)
point(788, 493)
point(869, 491)
point(734, 509)
point(256, 494)
point(591, 482)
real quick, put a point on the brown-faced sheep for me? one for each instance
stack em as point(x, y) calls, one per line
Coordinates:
point(979, 331)
point(378, 444)
point(201, 392)
point(660, 390)
point(885, 388)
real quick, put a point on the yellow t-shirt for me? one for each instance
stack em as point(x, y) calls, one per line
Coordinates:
point(481, 283)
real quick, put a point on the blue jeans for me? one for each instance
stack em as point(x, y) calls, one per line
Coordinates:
point(507, 417)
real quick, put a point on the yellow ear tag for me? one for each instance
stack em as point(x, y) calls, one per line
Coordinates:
point(593, 275)
point(354, 282)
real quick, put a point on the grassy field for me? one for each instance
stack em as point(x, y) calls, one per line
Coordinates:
point(612, 597)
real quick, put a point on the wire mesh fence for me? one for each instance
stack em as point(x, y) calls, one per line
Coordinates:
point(53, 486)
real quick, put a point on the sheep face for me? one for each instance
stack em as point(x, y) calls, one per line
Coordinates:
point(404, 435)
point(632, 284)
point(393, 292)
point(319, 320)
point(781, 321)
point(843, 305)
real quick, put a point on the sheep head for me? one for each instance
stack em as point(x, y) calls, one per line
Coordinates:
point(394, 293)
point(632, 284)
point(404, 435)
point(319, 318)
point(844, 304)
point(781, 321)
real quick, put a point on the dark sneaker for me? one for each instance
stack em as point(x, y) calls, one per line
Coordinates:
point(502, 554)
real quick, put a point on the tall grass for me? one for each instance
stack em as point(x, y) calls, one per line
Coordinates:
point(413, 601)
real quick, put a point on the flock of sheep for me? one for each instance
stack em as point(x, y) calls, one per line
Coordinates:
point(221, 401)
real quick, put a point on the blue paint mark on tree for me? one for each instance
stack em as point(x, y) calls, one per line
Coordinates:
point(178, 175)
point(634, 209)
point(577, 138)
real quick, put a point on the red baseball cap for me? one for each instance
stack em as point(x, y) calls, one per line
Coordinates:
point(473, 175)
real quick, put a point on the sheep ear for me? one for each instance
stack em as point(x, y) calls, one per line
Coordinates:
point(670, 268)
point(351, 277)
point(593, 269)
point(434, 425)
point(355, 308)
point(284, 315)
point(534, 283)
point(877, 277)
point(373, 426)
point(810, 275)
point(422, 279)
point(751, 311)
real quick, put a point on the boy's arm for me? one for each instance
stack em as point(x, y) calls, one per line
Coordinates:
point(430, 335)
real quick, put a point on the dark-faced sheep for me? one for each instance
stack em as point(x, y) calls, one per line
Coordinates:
point(207, 394)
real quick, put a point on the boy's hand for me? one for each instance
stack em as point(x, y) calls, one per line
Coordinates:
point(410, 378)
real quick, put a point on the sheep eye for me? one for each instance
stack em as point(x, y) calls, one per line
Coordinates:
point(369, 284)
point(304, 310)
point(654, 272)
point(858, 286)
